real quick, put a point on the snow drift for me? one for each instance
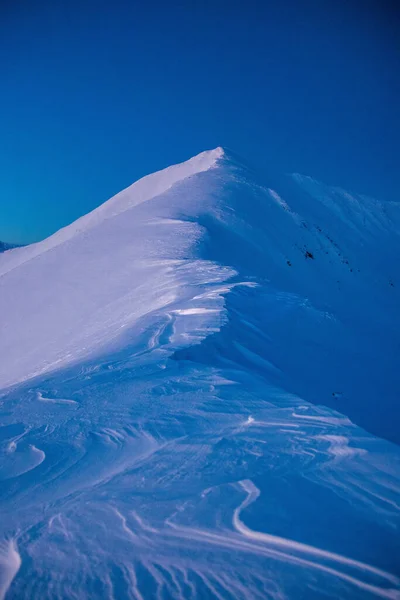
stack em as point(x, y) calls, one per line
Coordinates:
point(198, 379)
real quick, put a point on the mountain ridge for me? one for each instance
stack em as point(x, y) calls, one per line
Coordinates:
point(210, 208)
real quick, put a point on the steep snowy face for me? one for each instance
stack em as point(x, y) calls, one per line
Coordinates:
point(197, 384)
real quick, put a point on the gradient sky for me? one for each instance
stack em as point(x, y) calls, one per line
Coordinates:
point(96, 94)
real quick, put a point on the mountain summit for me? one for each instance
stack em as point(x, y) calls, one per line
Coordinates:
point(197, 382)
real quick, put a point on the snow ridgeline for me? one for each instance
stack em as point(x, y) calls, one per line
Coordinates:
point(171, 246)
point(183, 376)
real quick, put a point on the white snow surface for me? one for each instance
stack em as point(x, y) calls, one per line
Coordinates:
point(199, 394)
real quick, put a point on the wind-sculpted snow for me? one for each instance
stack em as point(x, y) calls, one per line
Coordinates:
point(199, 395)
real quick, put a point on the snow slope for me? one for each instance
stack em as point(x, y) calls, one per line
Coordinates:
point(199, 390)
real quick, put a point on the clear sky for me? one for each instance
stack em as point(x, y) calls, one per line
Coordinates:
point(95, 94)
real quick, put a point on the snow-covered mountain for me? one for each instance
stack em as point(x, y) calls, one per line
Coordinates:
point(199, 390)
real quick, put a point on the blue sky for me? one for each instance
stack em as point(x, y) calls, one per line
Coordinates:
point(96, 94)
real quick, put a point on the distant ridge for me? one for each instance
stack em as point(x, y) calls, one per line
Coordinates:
point(4, 246)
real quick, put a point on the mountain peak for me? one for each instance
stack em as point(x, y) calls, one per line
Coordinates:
point(211, 208)
point(142, 190)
